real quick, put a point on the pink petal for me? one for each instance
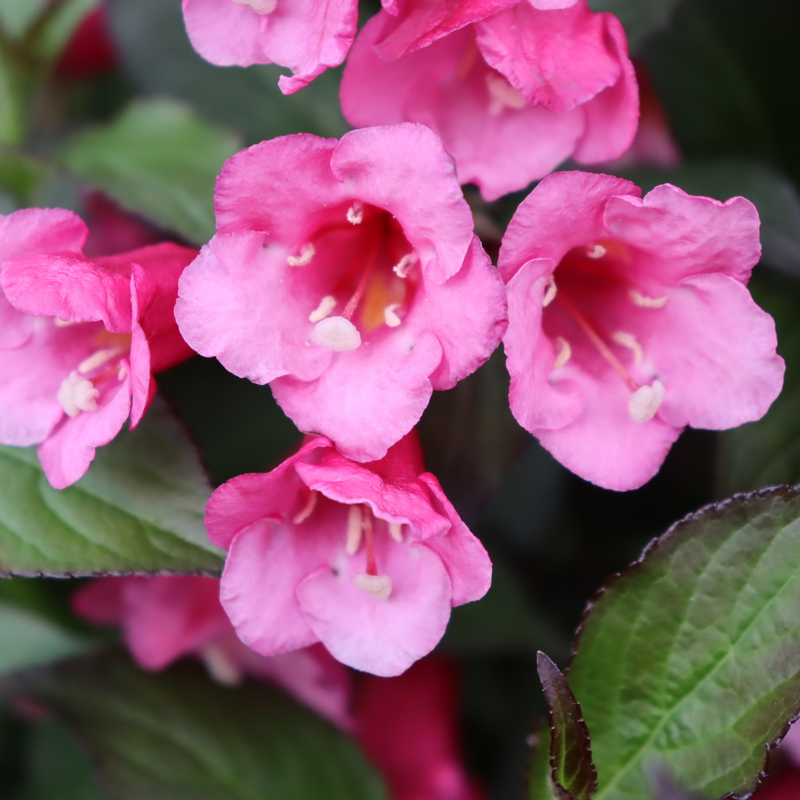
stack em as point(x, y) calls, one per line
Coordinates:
point(384, 637)
point(100, 601)
point(224, 32)
point(32, 231)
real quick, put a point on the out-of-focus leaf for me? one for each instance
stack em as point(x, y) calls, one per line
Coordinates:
point(640, 17)
point(573, 774)
point(159, 60)
point(773, 194)
point(12, 122)
point(139, 509)
point(158, 159)
point(177, 736)
point(57, 767)
point(61, 22)
point(689, 661)
point(27, 639)
point(20, 174)
point(17, 16)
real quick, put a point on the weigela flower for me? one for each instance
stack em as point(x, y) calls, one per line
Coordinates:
point(165, 618)
point(347, 274)
point(366, 558)
point(513, 88)
point(409, 728)
point(630, 319)
point(307, 36)
point(79, 337)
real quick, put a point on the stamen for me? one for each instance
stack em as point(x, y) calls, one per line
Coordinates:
point(404, 265)
point(396, 531)
point(77, 394)
point(63, 323)
point(307, 252)
point(97, 360)
point(390, 315)
point(355, 214)
point(647, 302)
point(564, 353)
point(645, 402)
point(308, 509)
point(122, 373)
point(337, 334)
point(221, 667)
point(379, 586)
point(550, 293)
point(326, 305)
point(630, 341)
point(259, 6)
point(355, 525)
point(598, 251)
point(502, 94)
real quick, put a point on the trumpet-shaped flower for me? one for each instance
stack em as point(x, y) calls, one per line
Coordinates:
point(307, 36)
point(513, 88)
point(366, 558)
point(81, 337)
point(165, 618)
point(630, 319)
point(346, 274)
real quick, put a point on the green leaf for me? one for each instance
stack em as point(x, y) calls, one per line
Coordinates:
point(158, 159)
point(689, 661)
point(175, 735)
point(640, 17)
point(12, 101)
point(61, 21)
point(20, 174)
point(772, 193)
point(26, 639)
point(573, 774)
point(139, 509)
point(540, 784)
point(16, 17)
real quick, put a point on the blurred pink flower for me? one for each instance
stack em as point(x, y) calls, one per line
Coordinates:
point(630, 319)
point(165, 618)
point(307, 36)
point(366, 558)
point(408, 726)
point(347, 275)
point(513, 88)
point(80, 338)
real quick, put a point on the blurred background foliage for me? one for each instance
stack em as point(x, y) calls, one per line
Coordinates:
point(152, 131)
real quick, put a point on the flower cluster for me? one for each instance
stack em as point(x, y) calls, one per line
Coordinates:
point(347, 275)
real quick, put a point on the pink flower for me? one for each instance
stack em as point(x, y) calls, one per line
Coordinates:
point(346, 274)
point(167, 617)
point(629, 320)
point(79, 337)
point(307, 36)
point(408, 727)
point(513, 88)
point(366, 558)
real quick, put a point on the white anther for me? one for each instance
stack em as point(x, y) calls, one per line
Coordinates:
point(647, 302)
point(502, 94)
point(646, 401)
point(259, 6)
point(390, 315)
point(355, 214)
point(404, 265)
point(396, 531)
point(327, 304)
point(221, 667)
point(307, 510)
point(97, 360)
point(122, 374)
point(307, 252)
point(598, 251)
point(564, 353)
point(631, 342)
point(355, 526)
point(77, 394)
point(550, 293)
point(337, 334)
point(379, 586)
point(63, 323)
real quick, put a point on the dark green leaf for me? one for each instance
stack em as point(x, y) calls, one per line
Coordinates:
point(139, 509)
point(689, 662)
point(640, 17)
point(573, 774)
point(176, 735)
point(158, 159)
